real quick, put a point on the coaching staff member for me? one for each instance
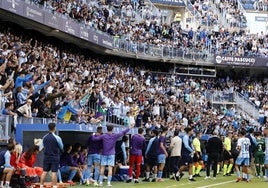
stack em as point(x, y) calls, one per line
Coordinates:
point(52, 146)
point(214, 149)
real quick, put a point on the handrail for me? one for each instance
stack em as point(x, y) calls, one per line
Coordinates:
point(162, 52)
point(7, 122)
point(247, 106)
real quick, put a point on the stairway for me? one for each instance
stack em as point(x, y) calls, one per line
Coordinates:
point(247, 107)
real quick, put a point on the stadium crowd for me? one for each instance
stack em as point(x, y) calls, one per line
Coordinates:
point(42, 80)
point(116, 20)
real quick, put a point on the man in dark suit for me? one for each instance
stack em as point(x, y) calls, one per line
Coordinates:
point(214, 149)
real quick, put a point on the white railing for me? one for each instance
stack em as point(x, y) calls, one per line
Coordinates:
point(246, 106)
point(155, 11)
point(219, 97)
point(197, 18)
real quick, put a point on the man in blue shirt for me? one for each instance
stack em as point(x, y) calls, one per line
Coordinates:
point(6, 170)
point(139, 119)
point(52, 146)
point(151, 156)
point(187, 153)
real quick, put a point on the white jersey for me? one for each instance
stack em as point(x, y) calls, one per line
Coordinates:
point(244, 144)
point(266, 147)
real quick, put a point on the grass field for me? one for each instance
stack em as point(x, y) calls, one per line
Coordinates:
point(220, 182)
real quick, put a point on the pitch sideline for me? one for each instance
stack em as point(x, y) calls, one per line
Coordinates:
point(216, 184)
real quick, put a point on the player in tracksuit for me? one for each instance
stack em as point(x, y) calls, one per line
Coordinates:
point(151, 156)
point(187, 153)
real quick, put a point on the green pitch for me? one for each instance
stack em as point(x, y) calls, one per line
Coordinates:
point(220, 182)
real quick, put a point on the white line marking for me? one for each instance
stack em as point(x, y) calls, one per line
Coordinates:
point(190, 183)
point(216, 184)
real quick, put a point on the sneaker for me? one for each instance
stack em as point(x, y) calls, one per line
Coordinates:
point(87, 183)
point(181, 175)
point(100, 184)
point(177, 178)
point(207, 177)
point(146, 180)
point(214, 178)
point(196, 175)
point(71, 183)
point(228, 174)
point(191, 179)
point(238, 179)
point(160, 180)
point(109, 185)
point(129, 180)
point(95, 184)
point(153, 180)
point(136, 181)
point(173, 177)
point(248, 181)
point(244, 179)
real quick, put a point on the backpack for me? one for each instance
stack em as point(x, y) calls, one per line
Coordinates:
point(2, 157)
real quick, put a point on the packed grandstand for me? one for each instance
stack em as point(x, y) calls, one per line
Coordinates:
point(42, 77)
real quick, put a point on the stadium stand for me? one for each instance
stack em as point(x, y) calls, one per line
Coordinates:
point(115, 20)
point(58, 82)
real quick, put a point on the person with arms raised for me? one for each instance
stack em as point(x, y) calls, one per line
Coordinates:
point(108, 152)
point(94, 158)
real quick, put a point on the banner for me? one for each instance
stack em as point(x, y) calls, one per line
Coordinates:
point(71, 27)
point(56, 21)
point(15, 6)
point(34, 13)
point(241, 61)
point(84, 33)
point(170, 2)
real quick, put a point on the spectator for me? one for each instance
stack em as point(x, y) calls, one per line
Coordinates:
point(6, 169)
point(139, 118)
point(25, 110)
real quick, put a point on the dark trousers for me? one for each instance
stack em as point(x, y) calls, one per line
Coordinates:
point(174, 163)
point(213, 158)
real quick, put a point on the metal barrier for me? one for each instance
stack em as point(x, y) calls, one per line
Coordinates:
point(219, 97)
point(247, 106)
point(8, 123)
point(161, 51)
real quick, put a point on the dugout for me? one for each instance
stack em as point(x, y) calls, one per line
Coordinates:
point(70, 134)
